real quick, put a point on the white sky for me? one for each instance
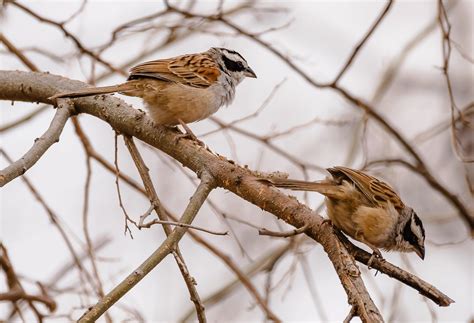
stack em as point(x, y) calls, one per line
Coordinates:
point(320, 38)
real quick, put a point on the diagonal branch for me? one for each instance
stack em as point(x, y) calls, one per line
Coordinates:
point(363, 41)
point(12, 48)
point(161, 212)
point(167, 247)
point(425, 289)
point(41, 144)
point(69, 35)
point(228, 175)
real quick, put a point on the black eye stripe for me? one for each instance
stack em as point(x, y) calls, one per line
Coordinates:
point(409, 236)
point(232, 65)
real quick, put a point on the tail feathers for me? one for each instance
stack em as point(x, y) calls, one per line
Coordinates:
point(323, 187)
point(93, 91)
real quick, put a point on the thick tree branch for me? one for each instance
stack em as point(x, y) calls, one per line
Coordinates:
point(227, 175)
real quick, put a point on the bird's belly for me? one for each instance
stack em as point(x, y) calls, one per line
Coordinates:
point(173, 102)
point(341, 215)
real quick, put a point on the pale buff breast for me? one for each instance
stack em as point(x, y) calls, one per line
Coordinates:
point(377, 225)
point(168, 102)
point(341, 212)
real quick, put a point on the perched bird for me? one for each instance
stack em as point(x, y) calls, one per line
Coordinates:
point(366, 209)
point(181, 89)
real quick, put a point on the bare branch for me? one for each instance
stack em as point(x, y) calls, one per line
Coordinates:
point(359, 46)
point(227, 175)
point(405, 277)
point(119, 193)
point(241, 276)
point(162, 215)
point(266, 232)
point(23, 119)
point(16, 291)
point(167, 247)
point(56, 221)
point(41, 144)
point(69, 35)
point(177, 224)
point(18, 53)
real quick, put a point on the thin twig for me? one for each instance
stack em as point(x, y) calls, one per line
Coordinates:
point(23, 119)
point(119, 194)
point(445, 27)
point(56, 221)
point(287, 234)
point(358, 47)
point(177, 224)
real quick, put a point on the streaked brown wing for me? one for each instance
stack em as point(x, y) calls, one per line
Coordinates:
point(196, 70)
point(377, 191)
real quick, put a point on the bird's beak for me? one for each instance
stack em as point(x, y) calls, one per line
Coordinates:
point(250, 73)
point(420, 251)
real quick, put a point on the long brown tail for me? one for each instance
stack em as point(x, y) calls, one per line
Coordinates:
point(93, 91)
point(323, 187)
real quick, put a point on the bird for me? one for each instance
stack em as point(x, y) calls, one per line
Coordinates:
point(181, 89)
point(366, 209)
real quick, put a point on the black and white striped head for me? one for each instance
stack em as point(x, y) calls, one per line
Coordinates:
point(413, 234)
point(232, 63)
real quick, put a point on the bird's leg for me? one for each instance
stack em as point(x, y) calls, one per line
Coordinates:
point(375, 251)
point(189, 134)
point(327, 221)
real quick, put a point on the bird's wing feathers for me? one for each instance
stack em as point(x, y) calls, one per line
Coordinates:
point(376, 191)
point(196, 70)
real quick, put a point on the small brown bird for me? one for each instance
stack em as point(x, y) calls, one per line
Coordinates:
point(366, 209)
point(182, 89)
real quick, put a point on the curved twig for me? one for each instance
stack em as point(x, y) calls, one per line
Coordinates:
point(41, 144)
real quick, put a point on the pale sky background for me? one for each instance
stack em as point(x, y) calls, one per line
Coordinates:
point(320, 37)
